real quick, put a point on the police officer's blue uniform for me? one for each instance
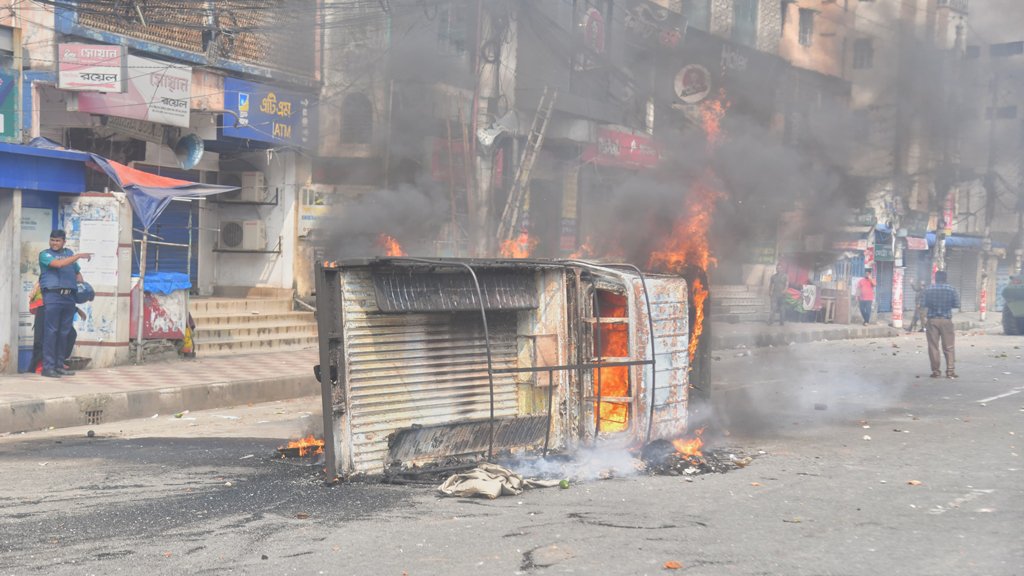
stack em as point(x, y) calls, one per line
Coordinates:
point(58, 286)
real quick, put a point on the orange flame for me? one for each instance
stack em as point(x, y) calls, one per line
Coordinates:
point(711, 114)
point(521, 247)
point(700, 294)
point(690, 448)
point(611, 342)
point(308, 445)
point(586, 250)
point(390, 245)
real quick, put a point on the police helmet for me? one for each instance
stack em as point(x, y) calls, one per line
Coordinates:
point(85, 293)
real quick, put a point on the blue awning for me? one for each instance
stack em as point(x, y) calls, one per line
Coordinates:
point(30, 168)
point(957, 241)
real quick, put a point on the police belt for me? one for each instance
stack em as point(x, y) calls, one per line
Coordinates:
point(61, 291)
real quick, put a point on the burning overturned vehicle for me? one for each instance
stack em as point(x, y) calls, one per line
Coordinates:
point(434, 361)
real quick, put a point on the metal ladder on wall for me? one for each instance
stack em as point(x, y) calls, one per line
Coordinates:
point(514, 205)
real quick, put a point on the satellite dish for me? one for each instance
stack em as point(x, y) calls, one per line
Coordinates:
point(189, 150)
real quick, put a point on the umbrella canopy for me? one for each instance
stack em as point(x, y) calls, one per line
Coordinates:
point(149, 193)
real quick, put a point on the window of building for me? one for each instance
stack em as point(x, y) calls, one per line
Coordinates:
point(452, 29)
point(1006, 50)
point(356, 119)
point(6, 48)
point(806, 26)
point(863, 54)
point(744, 21)
point(697, 14)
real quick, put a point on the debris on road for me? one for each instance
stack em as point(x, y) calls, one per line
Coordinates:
point(490, 481)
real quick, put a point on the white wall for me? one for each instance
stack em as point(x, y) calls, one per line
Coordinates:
point(285, 173)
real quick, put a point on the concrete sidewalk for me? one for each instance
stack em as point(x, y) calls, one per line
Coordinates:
point(31, 402)
point(760, 335)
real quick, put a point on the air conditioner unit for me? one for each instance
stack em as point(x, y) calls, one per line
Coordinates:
point(243, 235)
point(252, 187)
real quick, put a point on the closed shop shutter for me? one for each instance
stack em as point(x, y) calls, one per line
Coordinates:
point(962, 269)
point(173, 227)
point(418, 369)
point(883, 290)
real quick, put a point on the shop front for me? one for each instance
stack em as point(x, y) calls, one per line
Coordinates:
point(33, 183)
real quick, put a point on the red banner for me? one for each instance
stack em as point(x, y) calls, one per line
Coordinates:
point(623, 148)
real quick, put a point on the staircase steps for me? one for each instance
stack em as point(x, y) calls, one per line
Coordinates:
point(250, 324)
point(736, 303)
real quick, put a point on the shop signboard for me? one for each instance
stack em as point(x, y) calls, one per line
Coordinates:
point(917, 243)
point(858, 245)
point(156, 91)
point(862, 217)
point(622, 147)
point(704, 67)
point(270, 114)
point(90, 67)
point(883, 253)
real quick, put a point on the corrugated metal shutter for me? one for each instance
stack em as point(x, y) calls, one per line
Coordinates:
point(918, 264)
point(172, 226)
point(883, 288)
point(963, 275)
point(417, 369)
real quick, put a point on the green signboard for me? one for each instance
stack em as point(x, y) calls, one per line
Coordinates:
point(8, 104)
point(883, 253)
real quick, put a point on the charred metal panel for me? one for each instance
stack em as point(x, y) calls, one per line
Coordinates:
point(419, 291)
point(416, 369)
point(464, 438)
point(669, 377)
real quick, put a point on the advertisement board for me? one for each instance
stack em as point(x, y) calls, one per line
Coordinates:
point(156, 91)
point(269, 114)
point(622, 147)
point(8, 104)
point(90, 67)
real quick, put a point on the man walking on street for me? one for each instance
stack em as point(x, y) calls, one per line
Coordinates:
point(866, 296)
point(59, 275)
point(777, 295)
point(939, 300)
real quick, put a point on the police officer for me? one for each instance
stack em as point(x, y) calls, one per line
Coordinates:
point(59, 275)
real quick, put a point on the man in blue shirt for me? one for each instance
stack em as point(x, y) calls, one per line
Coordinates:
point(59, 275)
point(939, 300)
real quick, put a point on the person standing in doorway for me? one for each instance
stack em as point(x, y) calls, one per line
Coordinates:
point(939, 300)
point(59, 275)
point(777, 286)
point(866, 296)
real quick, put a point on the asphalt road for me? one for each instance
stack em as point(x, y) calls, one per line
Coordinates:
point(862, 465)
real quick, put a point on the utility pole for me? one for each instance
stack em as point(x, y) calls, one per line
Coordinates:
point(990, 192)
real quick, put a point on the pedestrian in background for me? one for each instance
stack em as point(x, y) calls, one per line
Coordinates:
point(919, 315)
point(777, 286)
point(59, 275)
point(866, 296)
point(939, 299)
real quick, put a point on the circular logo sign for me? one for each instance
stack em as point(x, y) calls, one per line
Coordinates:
point(693, 83)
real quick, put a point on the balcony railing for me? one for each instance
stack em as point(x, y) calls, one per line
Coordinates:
point(958, 5)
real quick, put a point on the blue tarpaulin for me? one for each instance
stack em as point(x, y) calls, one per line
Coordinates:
point(166, 282)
